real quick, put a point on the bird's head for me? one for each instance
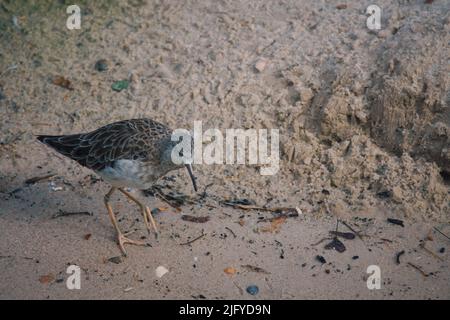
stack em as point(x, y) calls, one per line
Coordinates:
point(178, 154)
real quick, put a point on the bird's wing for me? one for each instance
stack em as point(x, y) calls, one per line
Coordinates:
point(137, 139)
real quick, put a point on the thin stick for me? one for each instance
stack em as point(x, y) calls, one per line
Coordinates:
point(441, 233)
point(231, 231)
point(320, 241)
point(250, 207)
point(160, 194)
point(65, 213)
point(284, 215)
point(352, 230)
point(193, 240)
point(430, 252)
point(37, 179)
point(418, 269)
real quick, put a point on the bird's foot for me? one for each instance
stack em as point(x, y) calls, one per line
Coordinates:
point(124, 240)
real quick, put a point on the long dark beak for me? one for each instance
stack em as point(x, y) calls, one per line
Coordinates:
point(189, 168)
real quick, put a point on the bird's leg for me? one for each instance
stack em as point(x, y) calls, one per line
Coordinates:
point(121, 238)
point(146, 213)
point(149, 213)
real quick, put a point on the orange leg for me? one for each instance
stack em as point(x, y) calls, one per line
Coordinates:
point(121, 238)
point(146, 213)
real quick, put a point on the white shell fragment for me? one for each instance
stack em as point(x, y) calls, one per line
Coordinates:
point(161, 271)
point(54, 187)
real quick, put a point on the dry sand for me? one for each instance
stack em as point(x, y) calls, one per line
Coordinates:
point(364, 123)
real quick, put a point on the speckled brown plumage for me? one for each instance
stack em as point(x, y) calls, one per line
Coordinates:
point(131, 153)
point(135, 139)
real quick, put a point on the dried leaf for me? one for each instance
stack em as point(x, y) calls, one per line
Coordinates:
point(46, 278)
point(345, 235)
point(275, 225)
point(243, 202)
point(396, 221)
point(62, 82)
point(255, 269)
point(195, 219)
point(336, 244)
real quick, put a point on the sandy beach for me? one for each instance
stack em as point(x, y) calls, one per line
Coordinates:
point(364, 127)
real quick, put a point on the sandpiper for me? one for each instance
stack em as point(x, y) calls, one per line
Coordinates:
point(127, 154)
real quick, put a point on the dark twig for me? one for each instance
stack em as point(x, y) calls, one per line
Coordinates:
point(37, 179)
point(320, 241)
point(352, 230)
point(418, 269)
point(283, 215)
point(397, 257)
point(193, 240)
point(62, 213)
point(422, 245)
point(441, 233)
point(231, 231)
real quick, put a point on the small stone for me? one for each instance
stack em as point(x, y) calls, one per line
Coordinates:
point(101, 65)
point(307, 161)
point(397, 194)
point(230, 270)
point(115, 260)
point(253, 290)
point(383, 34)
point(341, 6)
point(306, 95)
point(120, 85)
point(321, 259)
point(161, 271)
point(442, 250)
point(261, 64)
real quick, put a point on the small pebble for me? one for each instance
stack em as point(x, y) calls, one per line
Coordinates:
point(155, 211)
point(120, 85)
point(261, 64)
point(355, 257)
point(115, 260)
point(253, 290)
point(161, 271)
point(101, 65)
point(442, 250)
point(321, 259)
